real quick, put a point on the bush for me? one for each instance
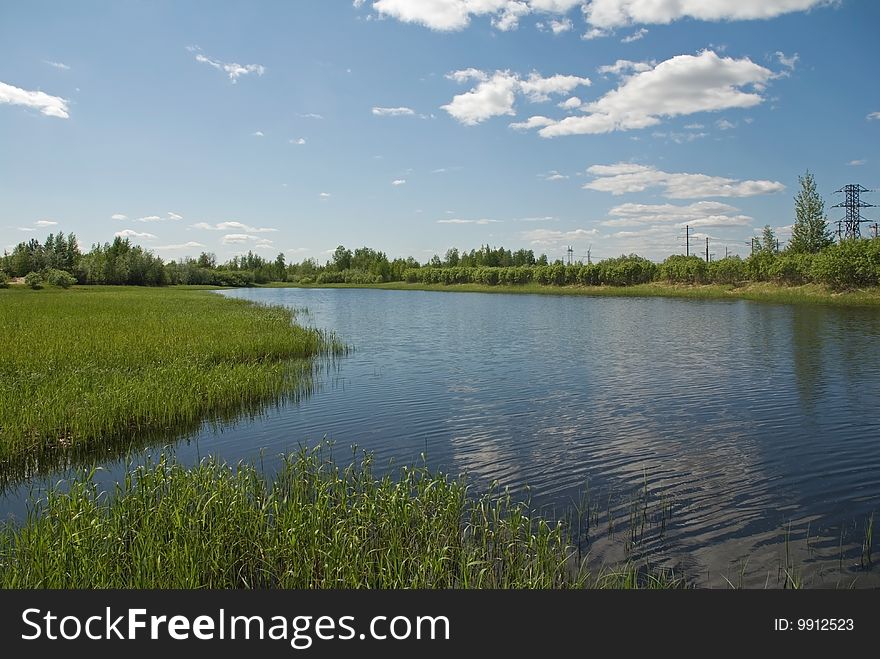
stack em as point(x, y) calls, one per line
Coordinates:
point(34, 280)
point(4, 280)
point(679, 269)
point(848, 264)
point(759, 265)
point(60, 278)
point(730, 270)
point(792, 269)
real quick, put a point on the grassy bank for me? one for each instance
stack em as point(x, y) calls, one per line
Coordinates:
point(759, 292)
point(315, 525)
point(84, 370)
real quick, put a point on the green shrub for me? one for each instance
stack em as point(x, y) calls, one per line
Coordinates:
point(792, 269)
point(848, 264)
point(680, 269)
point(34, 280)
point(730, 270)
point(4, 280)
point(759, 265)
point(60, 278)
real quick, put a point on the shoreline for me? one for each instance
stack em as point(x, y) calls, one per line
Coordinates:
point(755, 292)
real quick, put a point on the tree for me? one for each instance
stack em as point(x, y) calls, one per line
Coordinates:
point(207, 260)
point(810, 232)
point(342, 258)
point(767, 241)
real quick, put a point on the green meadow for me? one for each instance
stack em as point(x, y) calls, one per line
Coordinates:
point(83, 371)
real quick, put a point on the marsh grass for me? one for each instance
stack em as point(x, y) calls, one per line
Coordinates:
point(88, 371)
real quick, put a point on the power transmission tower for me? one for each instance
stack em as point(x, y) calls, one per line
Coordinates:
point(849, 227)
point(569, 250)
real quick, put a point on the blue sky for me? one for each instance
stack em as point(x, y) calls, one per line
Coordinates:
point(412, 126)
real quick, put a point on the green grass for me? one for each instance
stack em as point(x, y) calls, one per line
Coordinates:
point(84, 371)
point(315, 525)
point(758, 292)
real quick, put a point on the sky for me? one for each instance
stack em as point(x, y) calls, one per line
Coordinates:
point(413, 126)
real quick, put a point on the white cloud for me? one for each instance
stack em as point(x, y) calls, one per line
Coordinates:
point(58, 65)
point(621, 178)
point(189, 245)
point(393, 112)
point(242, 238)
point(131, 233)
point(46, 223)
point(788, 62)
point(558, 27)
point(456, 220)
point(324, 195)
point(231, 69)
point(118, 216)
point(232, 226)
point(310, 115)
point(28, 229)
point(257, 133)
point(150, 218)
point(683, 85)
point(635, 36)
point(594, 33)
point(550, 237)
point(678, 137)
point(299, 142)
point(618, 13)
point(495, 95)
point(694, 127)
point(533, 122)
point(51, 106)
point(699, 214)
point(572, 103)
point(623, 66)
point(724, 124)
point(398, 181)
point(553, 175)
point(857, 163)
point(873, 116)
point(174, 216)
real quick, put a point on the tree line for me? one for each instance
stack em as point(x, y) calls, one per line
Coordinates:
point(811, 256)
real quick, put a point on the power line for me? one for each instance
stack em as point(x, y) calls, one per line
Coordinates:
point(849, 226)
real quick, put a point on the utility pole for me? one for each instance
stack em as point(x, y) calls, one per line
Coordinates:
point(725, 251)
point(687, 240)
point(874, 228)
point(707, 249)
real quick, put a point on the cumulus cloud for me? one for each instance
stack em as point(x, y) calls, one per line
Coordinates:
point(625, 66)
point(550, 237)
point(682, 85)
point(232, 226)
point(324, 195)
point(257, 133)
point(243, 238)
point(299, 141)
point(188, 245)
point(635, 36)
point(553, 175)
point(609, 14)
point(153, 218)
point(398, 181)
point(724, 124)
point(393, 112)
point(131, 233)
point(873, 116)
point(621, 178)
point(51, 106)
point(537, 121)
point(699, 214)
point(495, 94)
point(232, 69)
point(119, 216)
point(456, 220)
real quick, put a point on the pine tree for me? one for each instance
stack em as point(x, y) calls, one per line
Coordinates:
point(810, 232)
point(768, 241)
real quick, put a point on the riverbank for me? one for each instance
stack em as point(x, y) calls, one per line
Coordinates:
point(86, 370)
point(757, 292)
